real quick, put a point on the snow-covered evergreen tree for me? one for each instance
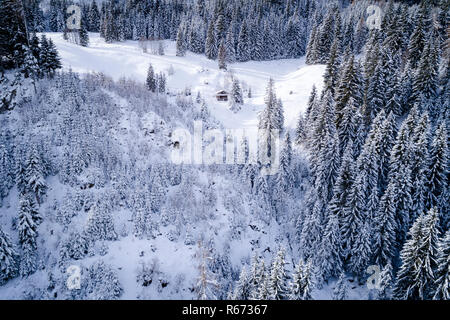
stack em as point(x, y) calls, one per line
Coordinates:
point(8, 258)
point(302, 282)
point(442, 274)
point(416, 277)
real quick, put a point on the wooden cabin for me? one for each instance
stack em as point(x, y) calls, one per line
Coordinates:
point(222, 95)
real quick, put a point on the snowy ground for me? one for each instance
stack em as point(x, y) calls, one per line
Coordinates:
point(293, 78)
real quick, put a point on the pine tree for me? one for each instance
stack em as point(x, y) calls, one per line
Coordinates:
point(270, 120)
point(437, 182)
point(339, 205)
point(151, 79)
point(27, 237)
point(263, 292)
point(301, 130)
point(310, 110)
point(425, 82)
point(8, 258)
point(332, 69)
point(180, 42)
point(222, 56)
point(325, 38)
point(302, 284)
point(94, 17)
point(386, 282)
point(211, 44)
point(385, 228)
point(442, 275)
point(257, 276)
point(13, 34)
point(419, 166)
point(340, 290)
point(236, 96)
point(243, 50)
point(206, 283)
point(30, 67)
point(311, 48)
point(230, 51)
point(278, 278)
point(285, 177)
point(83, 35)
point(34, 175)
point(416, 277)
point(49, 58)
point(243, 287)
point(417, 40)
point(349, 85)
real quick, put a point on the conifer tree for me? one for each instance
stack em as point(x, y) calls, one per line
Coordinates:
point(94, 17)
point(442, 275)
point(311, 48)
point(349, 85)
point(436, 184)
point(222, 56)
point(83, 35)
point(211, 44)
point(27, 237)
point(8, 258)
point(34, 175)
point(180, 42)
point(151, 79)
point(302, 284)
point(230, 51)
point(243, 50)
point(340, 290)
point(278, 278)
point(285, 177)
point(243, 287)
point(416, 277)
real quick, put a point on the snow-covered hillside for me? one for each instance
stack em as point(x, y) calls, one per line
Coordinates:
point(218, 208)
point(293, 78)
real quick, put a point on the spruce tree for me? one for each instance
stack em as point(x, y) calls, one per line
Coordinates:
point(34, 175)
point(416, 277)
point(211, 44)
point(278, 278)
point(8, 258)
point(222, 56)
point(302, 283)
point(230, 51)
point(83, 35)
point(442, 275)
point(151, 79)
point(243, 287)
point(349, 85)
point(436, 184)
point(180, 42)
point(27, 237)
point(243, 50)
point(340, 289)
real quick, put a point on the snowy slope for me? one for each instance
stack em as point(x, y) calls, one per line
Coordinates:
point(293, 78)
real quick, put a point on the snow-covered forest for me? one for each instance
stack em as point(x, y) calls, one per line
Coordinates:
point(351, 201)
